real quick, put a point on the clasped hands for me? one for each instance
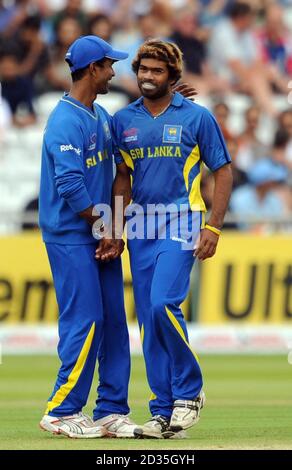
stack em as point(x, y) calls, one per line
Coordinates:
point(109, 249)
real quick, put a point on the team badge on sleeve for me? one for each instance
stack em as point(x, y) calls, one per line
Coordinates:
point(172, 134)
point(131, 135)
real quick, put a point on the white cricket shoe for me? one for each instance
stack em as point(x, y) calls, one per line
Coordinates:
point(117, 425)
point(158, 428)
point(79, 426)
point(186, 413)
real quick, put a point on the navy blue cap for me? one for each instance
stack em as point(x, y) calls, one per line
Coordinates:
point(88, 49)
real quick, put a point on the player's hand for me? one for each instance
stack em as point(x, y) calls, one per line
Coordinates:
point(188, 91)
point(207, 245)
point(109, 249)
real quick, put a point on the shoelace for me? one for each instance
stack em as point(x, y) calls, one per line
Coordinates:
point(164, 423)
point(191, 405)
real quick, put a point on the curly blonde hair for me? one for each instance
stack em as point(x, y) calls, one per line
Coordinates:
point(160, 50)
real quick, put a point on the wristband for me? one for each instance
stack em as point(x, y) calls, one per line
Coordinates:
point(213, 229)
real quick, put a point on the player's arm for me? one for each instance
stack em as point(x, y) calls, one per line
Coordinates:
point(215, 155)
point(67, 152)
point(121, 198)
point(90, 216)
point(209, 238)
point(222, 191)
point(110, 248)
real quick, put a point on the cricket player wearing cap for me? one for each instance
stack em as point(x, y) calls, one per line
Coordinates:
point(162, 141)
point(76, 174)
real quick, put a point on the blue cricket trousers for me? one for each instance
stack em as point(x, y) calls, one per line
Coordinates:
point(161, 276)
point(92, 325)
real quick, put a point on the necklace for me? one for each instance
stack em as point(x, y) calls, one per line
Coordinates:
point(161, 112)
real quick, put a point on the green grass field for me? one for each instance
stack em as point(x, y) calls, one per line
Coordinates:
point(249, 405)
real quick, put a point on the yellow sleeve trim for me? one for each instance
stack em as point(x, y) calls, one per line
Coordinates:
point(127, 159)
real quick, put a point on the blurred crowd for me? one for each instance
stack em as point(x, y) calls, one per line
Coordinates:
point(242, 47)
point(262, 174)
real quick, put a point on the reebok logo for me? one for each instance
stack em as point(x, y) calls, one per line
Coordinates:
point(66, 148)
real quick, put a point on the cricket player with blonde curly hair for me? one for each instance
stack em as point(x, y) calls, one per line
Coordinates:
point(162, 142)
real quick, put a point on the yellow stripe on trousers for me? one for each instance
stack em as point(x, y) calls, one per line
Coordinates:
point(72, 380)
point(180, 331)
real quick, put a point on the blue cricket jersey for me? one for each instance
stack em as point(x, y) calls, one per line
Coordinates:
point(77, 170)
point(165, 153)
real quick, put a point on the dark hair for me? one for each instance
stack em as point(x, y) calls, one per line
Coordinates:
point(32, 22)
point(281, 139)
point(80, 73)
point(12, 54)
point(160, 50)
point(239, 9)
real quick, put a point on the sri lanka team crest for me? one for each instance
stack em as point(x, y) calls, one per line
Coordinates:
point(172, 134)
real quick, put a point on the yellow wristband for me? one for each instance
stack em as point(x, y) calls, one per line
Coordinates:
point(213, 229)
